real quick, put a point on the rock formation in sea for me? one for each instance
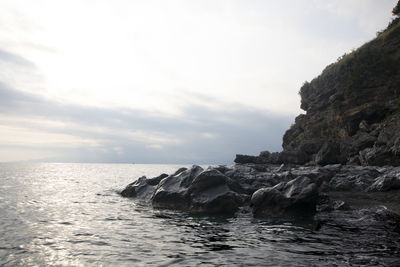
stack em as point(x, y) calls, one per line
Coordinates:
point(340, 162)
point(273, 191)
point(352, 110)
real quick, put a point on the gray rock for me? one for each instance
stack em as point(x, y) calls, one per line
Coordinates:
point(385, 183)
point(251, 159)
point(271, 190)
point(297, 197)
point(143, 188)
point(373, 221)
point(379, 156)
point(326, 204)
point(198, 191)
point(171, 192)
point(353, 178)
point(328, 154)
point(294, 157)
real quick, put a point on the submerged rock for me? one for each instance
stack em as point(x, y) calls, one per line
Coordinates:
point(375, 220)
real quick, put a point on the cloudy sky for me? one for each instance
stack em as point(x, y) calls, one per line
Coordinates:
point(165, 81)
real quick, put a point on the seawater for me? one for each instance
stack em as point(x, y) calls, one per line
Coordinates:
point(59, 214)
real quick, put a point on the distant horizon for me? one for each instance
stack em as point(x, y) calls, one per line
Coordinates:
point(127, 163)
point(156, 81)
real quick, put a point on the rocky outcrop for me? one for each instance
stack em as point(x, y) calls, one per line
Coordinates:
point(352, 111)
point(353, 108)
point(195, 190)
point(267, 190)
point(352, 119)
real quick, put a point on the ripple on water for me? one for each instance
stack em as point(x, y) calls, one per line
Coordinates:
point(72, 215)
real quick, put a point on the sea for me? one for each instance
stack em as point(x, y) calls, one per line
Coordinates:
point(70, 214)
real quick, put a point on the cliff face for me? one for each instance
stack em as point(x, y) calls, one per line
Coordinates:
point(352, 109)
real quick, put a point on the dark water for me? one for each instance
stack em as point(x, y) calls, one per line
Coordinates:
point(71, 215)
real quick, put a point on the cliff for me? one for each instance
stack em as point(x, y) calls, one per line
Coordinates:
point(352, 110)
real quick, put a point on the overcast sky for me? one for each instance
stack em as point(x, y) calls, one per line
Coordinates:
point(165, 81)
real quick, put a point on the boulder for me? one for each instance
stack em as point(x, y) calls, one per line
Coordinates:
point(142, 188)
point(171, 193)
point(198, 191)
point(297, 197)
point(270, 190)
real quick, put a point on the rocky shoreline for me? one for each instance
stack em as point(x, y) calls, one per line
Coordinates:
point(352, 121)
point(331, 194)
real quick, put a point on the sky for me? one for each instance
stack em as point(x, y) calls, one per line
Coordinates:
point(165, 81)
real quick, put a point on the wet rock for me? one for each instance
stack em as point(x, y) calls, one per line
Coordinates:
point(297, 197)
point(271, 190)
point(374, 221)
point(143, 188)
point(326, 204)
point(198, 191)
point(156, 180)
point(171, 192)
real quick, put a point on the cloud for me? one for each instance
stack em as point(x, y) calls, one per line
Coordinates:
point(207, 131)
point(7, 57)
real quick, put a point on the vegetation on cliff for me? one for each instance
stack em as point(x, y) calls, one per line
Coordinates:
point(352, 108)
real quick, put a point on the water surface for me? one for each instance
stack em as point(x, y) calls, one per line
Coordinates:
point(71, 215)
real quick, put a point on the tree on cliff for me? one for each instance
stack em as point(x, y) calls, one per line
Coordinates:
point(396, 9)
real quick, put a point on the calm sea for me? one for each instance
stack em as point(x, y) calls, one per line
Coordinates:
point(71, 215)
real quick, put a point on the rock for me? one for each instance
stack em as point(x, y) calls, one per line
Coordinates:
point(293, 157)
point(326, 204)
point(156, 180)
point(251, 159)
point(385, 183)
point(171, 193)
point(311, 147)
point(197, 191)
point(376, 156)
point(297, 157)
point(143, 188)
point(271, 190)
point(328, 154)
point(265, 154)
point(297, 197)
point(353, 178)
point(353, 103)
point(271, 158)
point(375, 221)
point(362, 140)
